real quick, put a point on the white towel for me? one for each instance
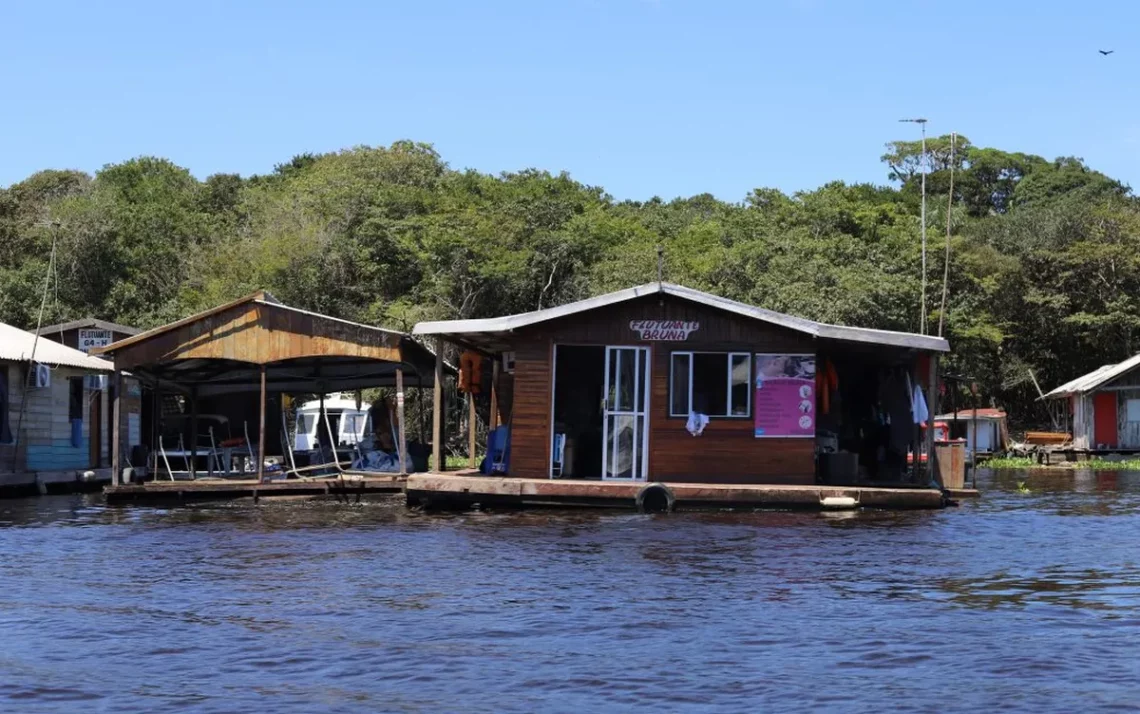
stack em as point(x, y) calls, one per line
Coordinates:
point(697, 423)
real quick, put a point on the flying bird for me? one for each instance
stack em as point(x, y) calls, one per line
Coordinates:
point(1106, 53)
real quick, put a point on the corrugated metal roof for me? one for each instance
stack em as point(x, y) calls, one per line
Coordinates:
point(816, 329)
point(16, 346)
point(1094, 379)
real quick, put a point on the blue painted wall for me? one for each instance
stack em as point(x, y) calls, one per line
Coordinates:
point(59, 456)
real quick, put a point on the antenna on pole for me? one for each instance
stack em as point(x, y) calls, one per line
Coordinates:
point(921, 121)
point(660, 266)
point(946, 260)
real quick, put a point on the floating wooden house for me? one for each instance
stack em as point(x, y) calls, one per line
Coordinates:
point(985, 430)
point(51, 401)
point(1104, 406)
point(681, 395)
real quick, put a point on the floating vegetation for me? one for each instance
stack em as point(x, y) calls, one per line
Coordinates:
point(1020, 462)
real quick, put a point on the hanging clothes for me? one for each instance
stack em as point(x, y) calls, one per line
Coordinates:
point(918, 405)
point(697, 423)
point(826, 380)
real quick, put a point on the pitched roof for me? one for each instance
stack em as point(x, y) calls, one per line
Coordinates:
point(17, 345)
point(1094, 379)
point(259, 296)
point(89, 322)
point(816, 329)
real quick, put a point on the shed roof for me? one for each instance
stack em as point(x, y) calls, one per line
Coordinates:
point(1097, 378)
point(18, 345)
point(223, 349)
point(485, 332)
point(986, 414)
point(89, 323)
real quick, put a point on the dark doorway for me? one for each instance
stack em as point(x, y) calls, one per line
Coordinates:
point(579, 385)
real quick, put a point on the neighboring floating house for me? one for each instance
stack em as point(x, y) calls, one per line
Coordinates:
point(88, 333)
point(985, 429)
point(1105, 407)
point(714, 398)
point(51, 399)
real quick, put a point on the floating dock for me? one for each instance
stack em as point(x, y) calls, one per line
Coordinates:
point(460, 490)
point(351, 485)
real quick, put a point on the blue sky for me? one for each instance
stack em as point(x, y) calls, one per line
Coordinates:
point(642, 97)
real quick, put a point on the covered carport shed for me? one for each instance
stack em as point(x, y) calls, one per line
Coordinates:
point(257, 344)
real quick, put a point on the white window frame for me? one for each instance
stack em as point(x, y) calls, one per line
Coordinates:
point(728, 356)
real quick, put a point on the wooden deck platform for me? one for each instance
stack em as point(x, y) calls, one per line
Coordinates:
point(353, 485)
point(459, 490)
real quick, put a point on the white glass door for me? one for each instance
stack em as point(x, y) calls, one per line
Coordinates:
point(625, 420)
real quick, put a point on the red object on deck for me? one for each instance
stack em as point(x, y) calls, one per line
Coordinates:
point(1104, 418)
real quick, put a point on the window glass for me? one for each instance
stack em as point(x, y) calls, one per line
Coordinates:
point(679, 402)
point(75, 401)
point(718, 384)
point(741, 383)
point(710, 384)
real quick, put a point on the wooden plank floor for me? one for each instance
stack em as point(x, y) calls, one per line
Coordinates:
point(460, 489)
point(351, 484)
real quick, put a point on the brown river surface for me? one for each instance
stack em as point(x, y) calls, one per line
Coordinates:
point(1014, 602)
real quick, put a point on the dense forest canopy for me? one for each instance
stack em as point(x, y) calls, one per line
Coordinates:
point(1044, 269)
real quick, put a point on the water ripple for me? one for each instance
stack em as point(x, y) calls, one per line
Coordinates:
point(1017, 602)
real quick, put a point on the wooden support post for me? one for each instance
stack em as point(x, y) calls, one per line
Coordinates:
point(932, 404)
point(493, 420)
point(437, 461)
point(471, 430)
point(156, 427)
point(421, 410)
point(261, 431)
point(193, 433)
point(916, 472)
point(116, 429)
point(400, 418)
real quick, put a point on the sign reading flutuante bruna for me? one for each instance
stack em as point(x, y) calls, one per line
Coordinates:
point(664, 330)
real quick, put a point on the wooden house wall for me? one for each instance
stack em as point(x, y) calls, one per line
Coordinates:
point(45, 434)
point(1128, 432)
point(727, 452)
point(1082, 420)
point(1125, 387)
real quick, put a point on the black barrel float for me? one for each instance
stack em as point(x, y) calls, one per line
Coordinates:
point(655, 498)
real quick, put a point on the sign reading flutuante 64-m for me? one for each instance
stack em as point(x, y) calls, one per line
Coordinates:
point(664, 330)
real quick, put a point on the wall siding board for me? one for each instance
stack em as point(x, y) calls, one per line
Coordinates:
point(1128, 432)
point(45, 432)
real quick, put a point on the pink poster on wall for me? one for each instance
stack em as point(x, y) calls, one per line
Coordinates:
point(784, 403)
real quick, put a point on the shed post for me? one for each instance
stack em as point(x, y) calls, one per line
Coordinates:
point(932, 399)
point(116, 429)
point(493, 420)
point(156, 427)
point(261, 430)
point(193, 433)
point(400, 418)
point(471, 430)
point(437, 411)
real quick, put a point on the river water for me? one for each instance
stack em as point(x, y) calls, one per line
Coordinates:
point(1017, 601)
